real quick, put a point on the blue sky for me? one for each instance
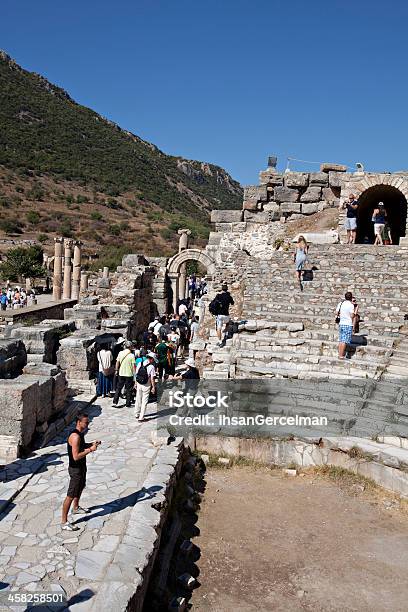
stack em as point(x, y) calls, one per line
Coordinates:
point(230, 81)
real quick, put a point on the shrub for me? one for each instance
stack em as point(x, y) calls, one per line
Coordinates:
point(114, 230)
point(42, 238)
point(33, 217)
point(96, 216)
point(11, 226)
point(81, 199)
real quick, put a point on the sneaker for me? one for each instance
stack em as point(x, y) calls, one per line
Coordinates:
point(69, 527)
point(81, 510)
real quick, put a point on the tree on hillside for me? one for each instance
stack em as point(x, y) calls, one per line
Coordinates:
point(23, 263)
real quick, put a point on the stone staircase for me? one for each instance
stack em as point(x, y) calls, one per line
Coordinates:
point(286, 333)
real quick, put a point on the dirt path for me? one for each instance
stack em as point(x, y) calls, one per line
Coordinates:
point(278, 543)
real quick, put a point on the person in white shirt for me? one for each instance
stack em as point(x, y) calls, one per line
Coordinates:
point(182, 309)
point(345, 313)
point(145, 383)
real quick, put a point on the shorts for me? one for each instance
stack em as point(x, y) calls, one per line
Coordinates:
point(350, 223)
point(378, 228)
point(222, 320)
point(77, 481)
point(345, 333)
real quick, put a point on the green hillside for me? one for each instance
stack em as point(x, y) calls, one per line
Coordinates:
point(44, 132)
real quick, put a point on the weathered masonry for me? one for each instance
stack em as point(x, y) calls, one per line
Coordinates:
point(295, 195)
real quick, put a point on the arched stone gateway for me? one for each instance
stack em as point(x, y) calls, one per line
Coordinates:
point(175, 265)
point(390, 189)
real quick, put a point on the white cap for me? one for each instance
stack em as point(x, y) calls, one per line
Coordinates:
point(190, 362)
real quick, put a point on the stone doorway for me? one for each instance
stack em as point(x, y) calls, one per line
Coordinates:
point(177, 271)
point(396, 206)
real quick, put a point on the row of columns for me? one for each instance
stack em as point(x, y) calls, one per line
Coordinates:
point(68, 286)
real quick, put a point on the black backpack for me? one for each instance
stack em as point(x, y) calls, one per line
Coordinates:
point(215, 307)
point(142, 376)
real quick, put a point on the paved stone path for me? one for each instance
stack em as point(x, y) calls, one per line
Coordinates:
point(34, 553)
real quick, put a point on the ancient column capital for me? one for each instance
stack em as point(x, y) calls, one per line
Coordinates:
point(77, 243)
point(68, 242)
point(184, 231)
point(59, 239)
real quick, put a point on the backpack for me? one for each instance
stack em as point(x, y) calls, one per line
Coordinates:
point(215, 307)
point(142, 376)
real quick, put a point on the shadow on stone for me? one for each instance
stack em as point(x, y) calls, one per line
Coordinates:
point(120, 503)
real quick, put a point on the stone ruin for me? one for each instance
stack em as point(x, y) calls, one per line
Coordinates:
point(46, 368)
point(282, 333)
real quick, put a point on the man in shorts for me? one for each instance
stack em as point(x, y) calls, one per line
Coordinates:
point(77, 449)
point(350, 223)
point(346, 311)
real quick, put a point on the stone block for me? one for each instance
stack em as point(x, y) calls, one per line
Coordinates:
point(310, 208)
point(269, 177)
point(255, 192)
point(272, 207)
point(290, 207)
point(19, 405)
point(318, 178)
point(333, 167)
point(336, 179)
point(133, 259)
point(312, 194)
point(103, 283)
point(331, 195)
point(285, 194)
point(256, 217)
point(226, 216)
point(250, 205)
point(13, 357)
point(296, 179)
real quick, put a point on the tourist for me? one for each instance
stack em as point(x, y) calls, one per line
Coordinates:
point(300, 258)
point(345, 313)
point(124, 371)
point(149, 340)
point(191, 373)
point(379, 218)
point(194, 327)
point(106, 371)
point(145, 384)
point(77, 449)
point(161, 351)
point(182, 309)
point(192, 286)
point(3, 300)
point(224, 301)
point(171, 358)
point(350, 223)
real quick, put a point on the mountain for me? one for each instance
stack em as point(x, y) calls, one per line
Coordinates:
point(55, 152)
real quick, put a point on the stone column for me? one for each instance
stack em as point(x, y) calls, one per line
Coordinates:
point(84, 281)
point(105, 273)
point(57, 280)
point(182, 282)
point(183, 241)
point(76, 272)
point(66, 295)
point(174, 281)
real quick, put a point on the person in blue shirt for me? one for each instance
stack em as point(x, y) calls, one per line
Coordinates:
point(3, 300)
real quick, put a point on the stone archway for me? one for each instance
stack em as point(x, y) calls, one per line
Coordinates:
point(395, 204)
point(371, 188)
point(175, 264)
